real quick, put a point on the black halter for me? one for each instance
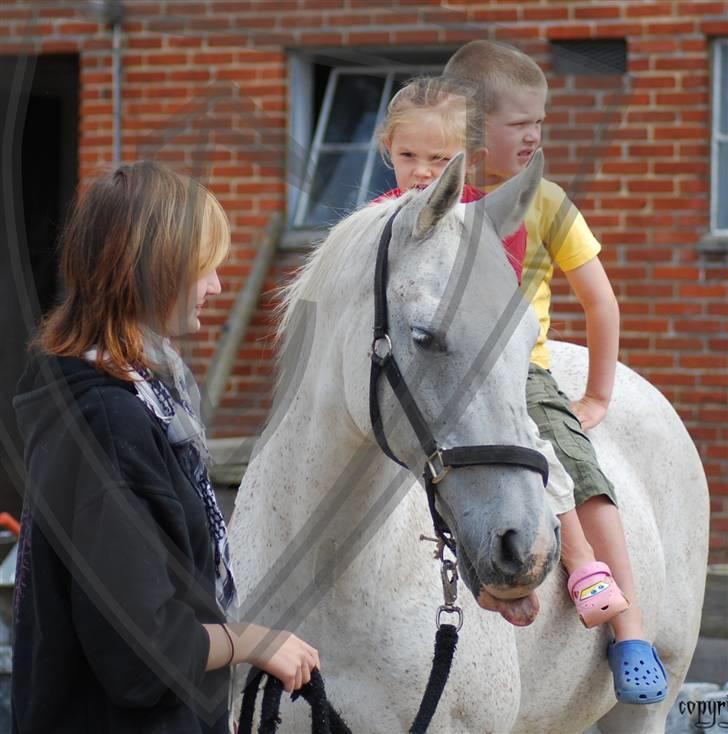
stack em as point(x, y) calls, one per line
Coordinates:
point(439, 459)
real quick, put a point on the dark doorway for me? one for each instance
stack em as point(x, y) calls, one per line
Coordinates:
point(39, 102)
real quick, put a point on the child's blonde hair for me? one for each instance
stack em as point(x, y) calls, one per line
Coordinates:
point(444, 97)
point(494, 69)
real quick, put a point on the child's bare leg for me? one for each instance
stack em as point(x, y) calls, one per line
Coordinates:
point(602, 526)
point(575, 548)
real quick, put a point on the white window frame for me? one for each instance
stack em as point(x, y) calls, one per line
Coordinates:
point(306, 134)
point(720, 51)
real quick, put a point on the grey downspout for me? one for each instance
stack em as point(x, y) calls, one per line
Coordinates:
point(112, 12)
point(116, 86)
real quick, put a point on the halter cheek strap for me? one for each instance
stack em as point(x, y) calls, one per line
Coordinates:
point(438, 460)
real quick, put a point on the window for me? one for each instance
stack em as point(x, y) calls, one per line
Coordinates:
point(719, 152)
point(336, 106)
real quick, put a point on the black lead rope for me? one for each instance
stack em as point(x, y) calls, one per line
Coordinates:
point(446, 641)
point(324, 717)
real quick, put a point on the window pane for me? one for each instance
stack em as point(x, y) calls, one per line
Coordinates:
point(724, 89)
point(382, 179)
point(335, 187)
point(721, 217)
point(354, 109)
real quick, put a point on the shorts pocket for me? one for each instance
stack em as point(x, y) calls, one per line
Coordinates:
point(574, 442)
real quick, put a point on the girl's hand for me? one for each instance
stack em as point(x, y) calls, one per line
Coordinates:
point(289, 659)
point(589, 411)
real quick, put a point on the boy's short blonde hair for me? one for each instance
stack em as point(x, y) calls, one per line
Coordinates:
point(444, 97)
point(494, 68)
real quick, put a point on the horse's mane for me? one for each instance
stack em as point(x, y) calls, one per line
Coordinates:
point(339, 259)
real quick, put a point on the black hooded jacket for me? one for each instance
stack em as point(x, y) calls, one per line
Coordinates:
point(115, 572)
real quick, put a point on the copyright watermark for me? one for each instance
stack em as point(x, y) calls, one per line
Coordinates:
point(708, 712)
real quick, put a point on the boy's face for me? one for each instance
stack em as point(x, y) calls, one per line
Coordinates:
point(419, 150)
point(513, 133)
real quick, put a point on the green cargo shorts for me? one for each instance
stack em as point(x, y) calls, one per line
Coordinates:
point(551, 411)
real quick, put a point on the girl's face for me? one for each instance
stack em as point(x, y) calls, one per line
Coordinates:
point(513, 133)
point(185, 317)
point(419, 150)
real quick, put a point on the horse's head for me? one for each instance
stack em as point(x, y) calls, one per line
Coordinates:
point(462, 334)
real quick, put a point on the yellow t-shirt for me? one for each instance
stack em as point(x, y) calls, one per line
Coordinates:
point(557, 233)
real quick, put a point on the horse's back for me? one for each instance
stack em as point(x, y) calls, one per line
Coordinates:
point(646, 451)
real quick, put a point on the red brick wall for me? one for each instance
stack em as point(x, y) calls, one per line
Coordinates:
point(205, 88)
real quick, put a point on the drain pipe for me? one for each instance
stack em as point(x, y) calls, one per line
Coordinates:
point(116, 87)
point(112, 12)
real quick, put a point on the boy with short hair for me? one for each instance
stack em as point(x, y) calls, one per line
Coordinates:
point(512, 91)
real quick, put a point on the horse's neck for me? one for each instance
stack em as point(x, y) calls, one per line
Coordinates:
point(313, 457)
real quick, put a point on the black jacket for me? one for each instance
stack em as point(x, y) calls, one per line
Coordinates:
point(115, 567)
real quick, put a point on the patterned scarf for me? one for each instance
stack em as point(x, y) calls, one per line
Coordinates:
point(173, 398)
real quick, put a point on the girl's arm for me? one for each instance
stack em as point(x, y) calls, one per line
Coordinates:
point(279, 653)
point(594, 292)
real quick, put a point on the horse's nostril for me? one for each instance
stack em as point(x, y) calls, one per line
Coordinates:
point(510, 546)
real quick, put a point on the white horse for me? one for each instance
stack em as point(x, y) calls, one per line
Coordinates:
point(325, 528)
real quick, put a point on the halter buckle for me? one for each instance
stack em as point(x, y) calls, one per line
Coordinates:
point(381, 355)
point(437, 467)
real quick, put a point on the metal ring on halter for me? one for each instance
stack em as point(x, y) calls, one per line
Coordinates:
point(438, 473)
point(446, 609)
point(388, 351)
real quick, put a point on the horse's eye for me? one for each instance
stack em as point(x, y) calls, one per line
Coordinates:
point(426, 340)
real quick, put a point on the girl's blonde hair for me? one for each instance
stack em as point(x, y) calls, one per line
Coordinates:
point(135, 243)
point(446, 98)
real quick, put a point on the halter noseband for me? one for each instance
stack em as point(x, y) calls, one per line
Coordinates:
point(439, 460)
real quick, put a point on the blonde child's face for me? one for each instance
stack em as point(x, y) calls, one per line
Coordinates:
point(419, 150)
point(513, 133)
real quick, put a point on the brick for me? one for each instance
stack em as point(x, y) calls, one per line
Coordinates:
point(681, 63)
point(415, 36)
point(651, 325)
point(623, 203)
point(619, 30)
point(671, 28)
point(493, 15)
point(676, 273)
point(681, 99)
point(651, 185)
point(700, 325)
point(566, 32)
point(674, 168)
point(593, 12)
point(545, 13)
point(77, 29)
point(714, 27)
point(701, 8)
point(678, 309)
point(652, 46)
point(650, 151)
point(654, 82)
point(144, 42)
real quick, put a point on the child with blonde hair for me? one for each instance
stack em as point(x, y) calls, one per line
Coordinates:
point(426, 124)
point(511, 90)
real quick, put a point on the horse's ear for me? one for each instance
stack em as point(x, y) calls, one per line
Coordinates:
point(507, 205)
point(446, 192)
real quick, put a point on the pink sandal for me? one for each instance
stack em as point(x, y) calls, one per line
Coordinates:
point(596, 594)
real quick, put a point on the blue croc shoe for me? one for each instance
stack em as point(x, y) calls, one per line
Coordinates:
point(639, 676)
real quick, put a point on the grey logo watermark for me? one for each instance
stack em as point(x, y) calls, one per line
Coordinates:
point(311, 563)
